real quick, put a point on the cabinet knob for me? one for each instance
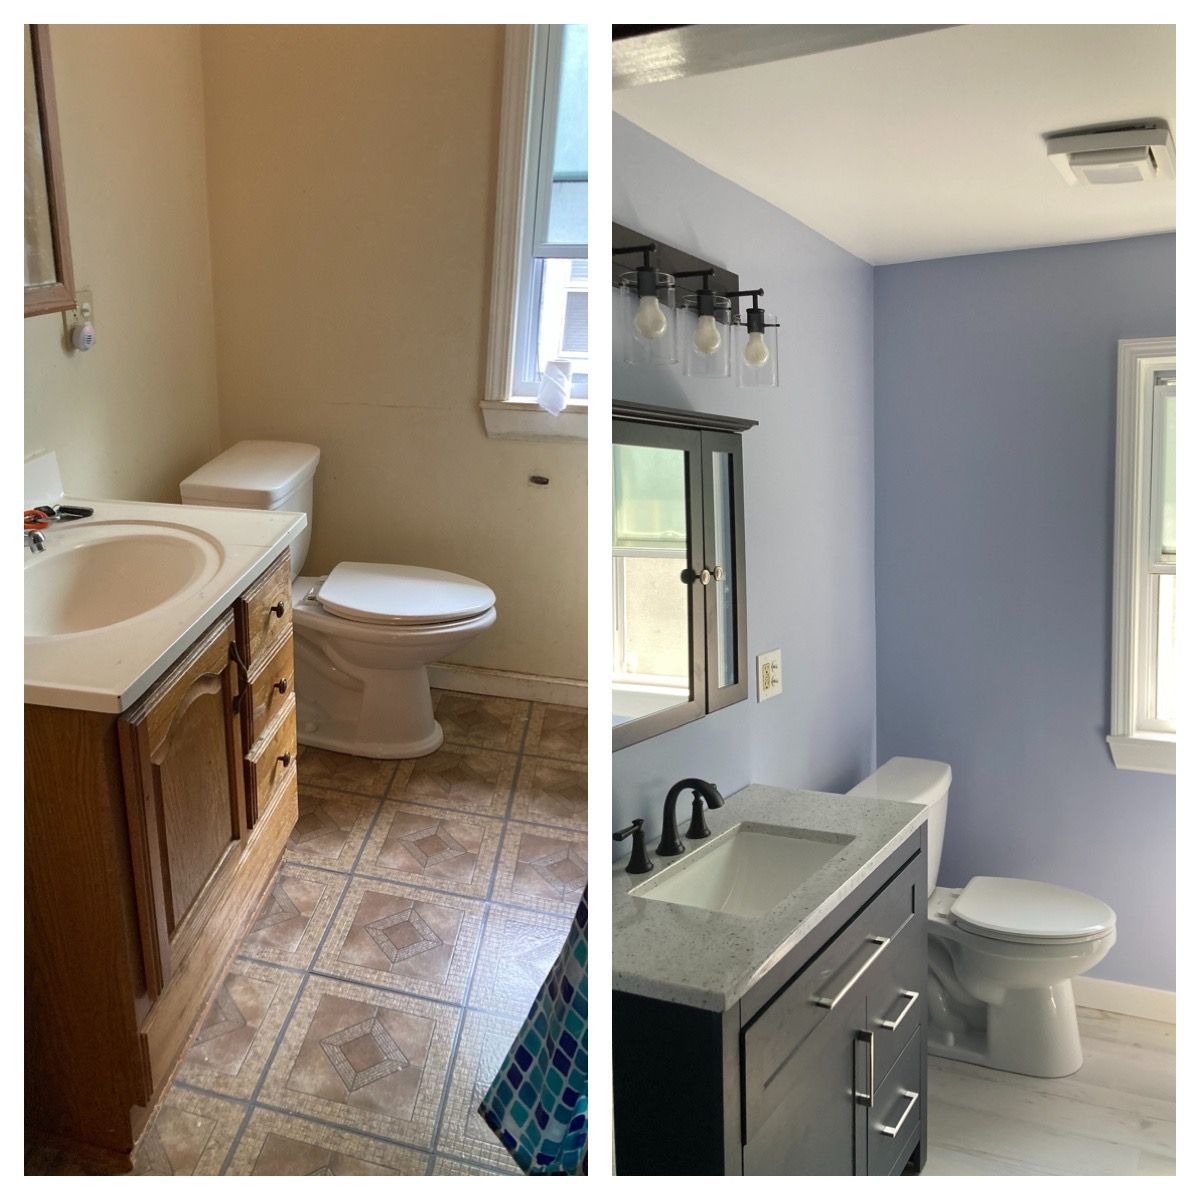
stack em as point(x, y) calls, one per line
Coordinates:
point(718, 573)
point(281, 687)
point(278, 609)
point(704, 578)
point(286, 759)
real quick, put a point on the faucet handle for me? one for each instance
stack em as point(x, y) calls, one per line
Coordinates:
point(639, 861)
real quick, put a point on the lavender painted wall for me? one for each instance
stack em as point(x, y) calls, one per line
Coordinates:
point(994, 435)
point(809, 497)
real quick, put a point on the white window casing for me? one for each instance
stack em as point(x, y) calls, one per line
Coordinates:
point(1141, 738)
point(530, 83)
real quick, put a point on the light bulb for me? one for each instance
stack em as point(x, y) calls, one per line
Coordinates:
point(650, 321)
point(756, 353)
point(707, 338)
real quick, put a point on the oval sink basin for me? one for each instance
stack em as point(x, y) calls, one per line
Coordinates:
point(92, 576)
point(747, 871)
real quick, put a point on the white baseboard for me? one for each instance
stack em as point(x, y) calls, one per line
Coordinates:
point(1130, 999)
point(482, 681)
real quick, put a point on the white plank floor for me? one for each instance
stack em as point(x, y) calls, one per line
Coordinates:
point(1115, 1116)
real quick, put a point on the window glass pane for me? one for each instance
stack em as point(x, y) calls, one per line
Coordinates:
point(568, 189)
point(1164, 678)
point(1166, 461)
point(562, 315)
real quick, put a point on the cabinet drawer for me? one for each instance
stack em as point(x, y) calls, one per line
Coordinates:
point(264, 613)
point(270, 689)
point(896, 998)
point(837, 979)
point(273, 756)
point(895, 1117)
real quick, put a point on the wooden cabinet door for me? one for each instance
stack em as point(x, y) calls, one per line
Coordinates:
point(182, 759)
point(814, 1130)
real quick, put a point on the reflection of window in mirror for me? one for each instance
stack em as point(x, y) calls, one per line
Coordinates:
point(651, 668)
point(49, 286)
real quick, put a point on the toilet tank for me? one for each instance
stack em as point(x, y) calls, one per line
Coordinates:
point(915, 781)
point(273, 475)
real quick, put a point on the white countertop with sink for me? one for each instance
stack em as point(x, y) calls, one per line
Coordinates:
point(710, 959)
point(215, 553)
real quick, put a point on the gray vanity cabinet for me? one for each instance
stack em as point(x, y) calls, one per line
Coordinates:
point(818, 1070)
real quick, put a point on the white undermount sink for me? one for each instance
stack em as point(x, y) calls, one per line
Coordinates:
point(95, 574)
point(746, 871)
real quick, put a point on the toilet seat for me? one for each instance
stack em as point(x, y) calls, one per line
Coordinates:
point(1025, 910)
point(386, 594)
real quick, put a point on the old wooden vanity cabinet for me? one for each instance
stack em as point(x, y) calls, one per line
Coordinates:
point(819, 1070)
point(150, 839)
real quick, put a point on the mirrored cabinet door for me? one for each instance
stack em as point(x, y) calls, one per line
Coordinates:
point(658, 618)
point(724, 535)
point(678, 570)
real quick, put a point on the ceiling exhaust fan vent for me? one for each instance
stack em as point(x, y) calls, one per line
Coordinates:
point(1131, 152)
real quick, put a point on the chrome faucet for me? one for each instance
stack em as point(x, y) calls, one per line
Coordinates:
point(702, 793)
point(35, 541)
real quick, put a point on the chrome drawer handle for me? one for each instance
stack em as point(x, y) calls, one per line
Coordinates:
point(892, 1130)
point(912, 999)
point(881, 944)
point(867, 1097)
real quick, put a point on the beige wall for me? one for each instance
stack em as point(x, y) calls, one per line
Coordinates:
point(351, 192)
point(138, 412)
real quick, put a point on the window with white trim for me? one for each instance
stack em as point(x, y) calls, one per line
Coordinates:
point(540, 274)
point(1144, 555)
point(552, 292)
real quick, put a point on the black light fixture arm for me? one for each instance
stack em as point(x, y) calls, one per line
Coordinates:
point(647, 276)
point(756, 317)
point(705, 306)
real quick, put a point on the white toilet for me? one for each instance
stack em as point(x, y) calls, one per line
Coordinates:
point(1002, 952)
point(364, 633)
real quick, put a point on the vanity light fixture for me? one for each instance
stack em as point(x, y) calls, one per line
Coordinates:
point(705, 332)
point(758, 344)
point(648, 319)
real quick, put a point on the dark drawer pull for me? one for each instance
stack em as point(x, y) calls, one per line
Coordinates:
point(880, 944)
point(912, 999)
point(281, 688)
point(286, 759)
point(278, 609)
point(892, 1130)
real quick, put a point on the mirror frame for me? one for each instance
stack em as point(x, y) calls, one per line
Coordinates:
point(60, 295)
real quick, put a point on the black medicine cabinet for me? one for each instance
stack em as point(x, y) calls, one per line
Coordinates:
point(679, 569)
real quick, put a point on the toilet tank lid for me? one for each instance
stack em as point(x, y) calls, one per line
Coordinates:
point(913, 780)
point(252, 474)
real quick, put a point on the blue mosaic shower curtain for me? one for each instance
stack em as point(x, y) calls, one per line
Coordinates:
point(537, 1104)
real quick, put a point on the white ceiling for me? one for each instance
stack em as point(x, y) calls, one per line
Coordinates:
point(930, 145)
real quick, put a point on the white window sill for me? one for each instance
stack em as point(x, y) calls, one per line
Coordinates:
point(523, 420)
point(1144, 752)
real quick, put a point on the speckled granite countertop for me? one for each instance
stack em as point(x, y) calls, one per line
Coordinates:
point(711, 959)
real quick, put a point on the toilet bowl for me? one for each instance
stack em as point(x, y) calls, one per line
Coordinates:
point(1002, 952)
point(365, 633)
point(361, 681)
